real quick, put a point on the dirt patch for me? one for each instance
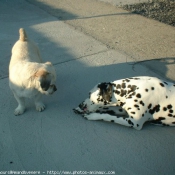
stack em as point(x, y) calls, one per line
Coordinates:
point(161, 10)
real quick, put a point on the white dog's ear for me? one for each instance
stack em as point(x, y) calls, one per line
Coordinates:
point(41, 73)
point(44, 79)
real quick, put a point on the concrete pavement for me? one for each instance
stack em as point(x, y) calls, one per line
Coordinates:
point(57, 139)
point(143, 39)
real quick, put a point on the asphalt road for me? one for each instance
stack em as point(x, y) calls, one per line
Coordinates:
point(57, 139)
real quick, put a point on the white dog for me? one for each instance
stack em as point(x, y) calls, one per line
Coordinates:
point(28, 76)
point(131, 102)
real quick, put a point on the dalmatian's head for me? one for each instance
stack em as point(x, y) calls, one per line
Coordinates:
point(100, 95)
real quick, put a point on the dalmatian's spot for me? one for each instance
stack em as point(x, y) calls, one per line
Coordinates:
point(131, 102)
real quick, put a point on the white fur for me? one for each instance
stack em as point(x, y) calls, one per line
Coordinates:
point(131, 102)
point(27, 72)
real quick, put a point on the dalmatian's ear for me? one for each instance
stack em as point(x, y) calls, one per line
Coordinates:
point(108, 94)
point(105, 91)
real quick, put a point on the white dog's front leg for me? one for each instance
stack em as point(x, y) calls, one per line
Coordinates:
point(21, 105)
point(110, 118)
point(38, 103)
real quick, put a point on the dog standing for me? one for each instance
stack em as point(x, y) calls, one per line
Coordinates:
point(28, 76)
point(131, 102)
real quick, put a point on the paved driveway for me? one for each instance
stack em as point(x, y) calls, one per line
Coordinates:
point(57, 139)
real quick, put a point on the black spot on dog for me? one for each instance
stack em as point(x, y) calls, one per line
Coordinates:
point(143, 115)
point(121, 104)
point(132, 112)
point(170, 111)
point(151, 111)
point(173, 122)
point(123, 85)
point(105, 103)
point(123, 92)
point(164, 108)
point(158, 121)
point(137, 125)
point(132, 88)
point(138, 96)
point(129, 108)
point(133, 94)
point(117, 92)
point(146, 90)
point(155, 109)
point(166, 83)
point(118, 86)
point(136, 100)
point(137, 106)
point(170, 115)
point(130, 122)
point(166, 96)
point(149, 106)
point(152, 88)
point(127, 80)
point(141, 102)
point(161, 84)
point(129, 97)
point(169, 106)
point(112, 121)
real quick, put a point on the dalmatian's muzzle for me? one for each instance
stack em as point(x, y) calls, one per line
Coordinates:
point(81, 109)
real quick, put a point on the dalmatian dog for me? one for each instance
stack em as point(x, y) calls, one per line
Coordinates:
point(131, 102)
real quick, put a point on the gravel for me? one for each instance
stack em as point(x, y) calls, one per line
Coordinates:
point(161, 10)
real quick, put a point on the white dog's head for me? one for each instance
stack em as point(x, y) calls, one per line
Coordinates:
point(46, 78)
point(99, 96)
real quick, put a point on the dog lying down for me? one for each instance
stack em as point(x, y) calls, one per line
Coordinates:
point(131, 102)
point(28, 76)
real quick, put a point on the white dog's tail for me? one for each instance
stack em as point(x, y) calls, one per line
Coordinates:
point(22, 35)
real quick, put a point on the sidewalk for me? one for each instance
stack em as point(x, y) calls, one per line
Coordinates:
point(136, 36)
point(57, 139)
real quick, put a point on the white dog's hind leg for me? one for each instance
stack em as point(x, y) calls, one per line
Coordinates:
point(38, 103)
point(21, 105)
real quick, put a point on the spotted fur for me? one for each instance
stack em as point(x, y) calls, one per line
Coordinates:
point(131, 102)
